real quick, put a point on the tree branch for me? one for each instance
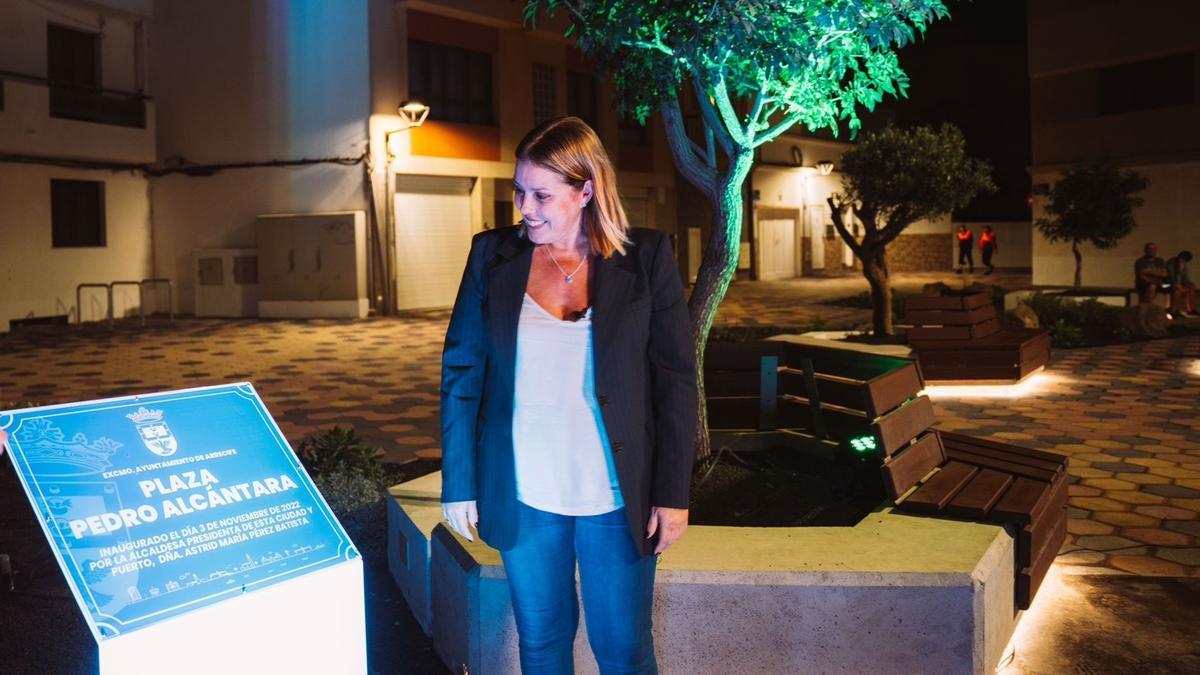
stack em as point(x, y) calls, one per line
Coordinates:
point(836, 207)
point(693, 167)
point(710, 145)
point(779, 129)
point(728, 114)
point(710, 115)
point(752, 120)
point(898, 220)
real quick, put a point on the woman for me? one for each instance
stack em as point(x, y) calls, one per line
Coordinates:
point(569, 405)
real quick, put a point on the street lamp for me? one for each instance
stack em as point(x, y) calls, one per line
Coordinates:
point(412, 114)
point(825, 167)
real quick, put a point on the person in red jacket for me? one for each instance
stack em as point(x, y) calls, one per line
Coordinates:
point(966, 239)
point(987, 244)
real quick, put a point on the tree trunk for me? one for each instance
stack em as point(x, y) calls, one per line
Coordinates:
point(716, 271)
point(1078, 264)
point(876, 271)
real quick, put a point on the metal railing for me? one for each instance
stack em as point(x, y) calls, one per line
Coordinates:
point(108, 288)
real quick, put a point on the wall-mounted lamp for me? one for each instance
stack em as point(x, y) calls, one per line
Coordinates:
point(825, 167)
point(412, 114)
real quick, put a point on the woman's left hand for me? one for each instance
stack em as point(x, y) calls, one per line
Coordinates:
point(668, 523)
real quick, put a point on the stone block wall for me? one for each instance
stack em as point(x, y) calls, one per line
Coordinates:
point(922, 253)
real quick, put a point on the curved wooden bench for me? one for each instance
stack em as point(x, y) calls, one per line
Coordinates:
point(958, 338)
point(949, 474)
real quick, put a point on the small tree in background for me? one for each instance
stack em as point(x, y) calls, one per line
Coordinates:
point(756, 68)
point(894, 178)
point(1091, 203)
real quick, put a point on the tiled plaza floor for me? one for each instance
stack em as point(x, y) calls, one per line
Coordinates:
point(1127, 415)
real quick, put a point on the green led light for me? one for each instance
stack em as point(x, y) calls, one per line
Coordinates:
point(863, 443)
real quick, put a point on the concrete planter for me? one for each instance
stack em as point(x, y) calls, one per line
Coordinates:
point(892, 594)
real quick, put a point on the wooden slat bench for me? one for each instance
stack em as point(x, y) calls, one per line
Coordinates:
point(839, 395)
point(959, 338)
point(828, 392)
point(980, 479)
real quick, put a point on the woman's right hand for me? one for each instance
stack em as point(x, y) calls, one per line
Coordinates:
point(459, 515)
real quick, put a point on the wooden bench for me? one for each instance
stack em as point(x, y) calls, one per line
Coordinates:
point(849, 397)
point(830, 393)
point(949, 474)
point(959, 338)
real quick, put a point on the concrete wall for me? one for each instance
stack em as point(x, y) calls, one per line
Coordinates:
point(38, 280)
point(1168, 218)
point(293, 82)
point(1070, 41)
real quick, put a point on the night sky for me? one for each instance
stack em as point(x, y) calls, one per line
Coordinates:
point(971, 71)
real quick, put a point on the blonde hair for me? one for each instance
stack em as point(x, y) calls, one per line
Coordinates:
point(569, 147)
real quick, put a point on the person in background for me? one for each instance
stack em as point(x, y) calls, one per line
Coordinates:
point(1150, 274)
point(1183, 289)
point(570, 406)
point(987, 245)
point(966, 241)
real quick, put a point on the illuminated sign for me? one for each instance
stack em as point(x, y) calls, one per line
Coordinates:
point(158, 505)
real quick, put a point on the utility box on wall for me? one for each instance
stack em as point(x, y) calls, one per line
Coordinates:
point(226, 282)
point(312, 265)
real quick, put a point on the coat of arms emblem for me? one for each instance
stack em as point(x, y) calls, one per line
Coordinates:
point(155, 433)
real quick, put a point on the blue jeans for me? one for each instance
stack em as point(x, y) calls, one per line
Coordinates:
point(616, 580)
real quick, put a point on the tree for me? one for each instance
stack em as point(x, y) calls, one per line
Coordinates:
point(894, 178)
point(756, 68)
point(1091, 203)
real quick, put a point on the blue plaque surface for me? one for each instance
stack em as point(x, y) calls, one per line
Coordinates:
point(161, 504)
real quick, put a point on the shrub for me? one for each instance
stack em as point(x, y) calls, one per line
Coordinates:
point(349, 473)
point(1078, 324)
point(358, 503)
point(339, 450)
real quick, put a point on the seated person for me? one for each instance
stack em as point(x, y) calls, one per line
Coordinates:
point(1150, 274)
point(1183, 289)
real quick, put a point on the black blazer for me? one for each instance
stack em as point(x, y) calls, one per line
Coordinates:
point(645, 378)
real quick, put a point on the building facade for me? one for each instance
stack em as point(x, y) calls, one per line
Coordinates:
point(145, 138)
point(1115, 82)
point(74, 125)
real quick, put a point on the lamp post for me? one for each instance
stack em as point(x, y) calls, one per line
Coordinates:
point(412, 114)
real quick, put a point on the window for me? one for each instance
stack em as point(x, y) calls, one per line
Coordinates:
point(72, 57)
point(581, 97)
point(455, 83)
point(543, 92)
point(77, 213)
point(1145, 85)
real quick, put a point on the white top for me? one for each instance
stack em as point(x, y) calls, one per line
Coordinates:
point(563, 460)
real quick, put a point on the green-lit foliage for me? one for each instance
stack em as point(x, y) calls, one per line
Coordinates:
point(1093, 204)
point(894, 178)
point(755, 68)
point(803, 61)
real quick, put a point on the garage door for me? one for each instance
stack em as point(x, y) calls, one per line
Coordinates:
point(433, 237)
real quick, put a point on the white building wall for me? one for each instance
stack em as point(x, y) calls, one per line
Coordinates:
point(293, 81)
point(1169, 217)
point(23, 36)
point(38, 280)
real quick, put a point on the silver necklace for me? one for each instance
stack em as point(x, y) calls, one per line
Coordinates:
point(569, 277)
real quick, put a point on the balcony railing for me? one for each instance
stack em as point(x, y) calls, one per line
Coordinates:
point(89, 104)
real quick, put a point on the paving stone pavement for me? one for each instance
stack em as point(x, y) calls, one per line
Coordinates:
point(1126, 415)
